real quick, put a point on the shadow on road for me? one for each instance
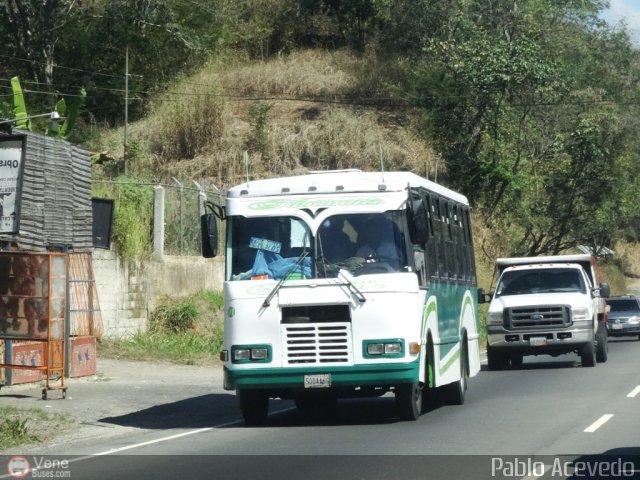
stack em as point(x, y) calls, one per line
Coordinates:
point(222, 411)
point(538, 366)
point(196, 412)
point(621, 462)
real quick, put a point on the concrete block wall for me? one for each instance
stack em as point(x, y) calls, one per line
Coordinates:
point(128, 292)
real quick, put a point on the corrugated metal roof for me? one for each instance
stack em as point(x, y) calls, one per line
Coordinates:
point(55, 209)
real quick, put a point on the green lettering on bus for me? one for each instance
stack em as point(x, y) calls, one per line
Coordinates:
point(315, 203)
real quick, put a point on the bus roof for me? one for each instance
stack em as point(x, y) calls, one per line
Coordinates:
point(338, 182)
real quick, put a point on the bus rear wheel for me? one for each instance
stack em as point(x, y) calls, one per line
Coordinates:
point(409, 401)
point(254, 405)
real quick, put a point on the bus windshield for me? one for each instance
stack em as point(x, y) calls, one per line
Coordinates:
point(285, 247)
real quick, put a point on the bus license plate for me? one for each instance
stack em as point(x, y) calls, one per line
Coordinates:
point(322, 380)
point(537, 341)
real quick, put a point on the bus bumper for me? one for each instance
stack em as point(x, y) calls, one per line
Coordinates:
point(378, 375)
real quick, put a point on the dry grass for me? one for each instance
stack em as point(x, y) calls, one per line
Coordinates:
point(628, 258)
point(300, 133)
point(310, 73)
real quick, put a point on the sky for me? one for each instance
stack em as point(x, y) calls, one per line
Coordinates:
point(627, 10)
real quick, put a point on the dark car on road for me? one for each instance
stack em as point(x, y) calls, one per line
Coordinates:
point(623, 318)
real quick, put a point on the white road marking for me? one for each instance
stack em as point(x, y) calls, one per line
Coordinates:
point(535, 477)
point(157, 440)
point(634, 392)
point(598, 423)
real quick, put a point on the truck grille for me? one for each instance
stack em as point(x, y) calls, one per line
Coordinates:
point(317, 343)
point(554, 316)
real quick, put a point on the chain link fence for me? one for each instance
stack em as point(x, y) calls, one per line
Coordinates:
point(134, 215)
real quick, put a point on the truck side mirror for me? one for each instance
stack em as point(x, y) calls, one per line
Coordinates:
point(484, 297)
point(604, 290)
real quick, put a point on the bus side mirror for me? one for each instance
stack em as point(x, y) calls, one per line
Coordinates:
point(209, 233)
point(417, 217)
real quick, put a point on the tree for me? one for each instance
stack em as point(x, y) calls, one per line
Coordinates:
point(512, 92)
point(32, 30)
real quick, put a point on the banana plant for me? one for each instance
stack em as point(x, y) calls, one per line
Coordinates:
point(68, 112)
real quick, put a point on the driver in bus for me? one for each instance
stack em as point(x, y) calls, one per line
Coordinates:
point(376, 239)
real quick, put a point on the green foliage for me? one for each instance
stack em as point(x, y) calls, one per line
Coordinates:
point(214, 300)
point(513, 99)
point(133, 216)
point(258, 114)
point(173, 316)
point(14, 430)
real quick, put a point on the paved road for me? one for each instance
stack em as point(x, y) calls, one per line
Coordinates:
point(549, 408)
point(127, 399)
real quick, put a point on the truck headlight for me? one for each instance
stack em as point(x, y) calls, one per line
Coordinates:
point(494, 318)
point(580, 314)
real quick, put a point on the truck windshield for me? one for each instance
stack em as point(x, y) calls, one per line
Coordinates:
point(271, 247)
point(543, 280)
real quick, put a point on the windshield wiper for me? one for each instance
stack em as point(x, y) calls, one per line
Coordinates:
point(267, 301)
point(352, 288)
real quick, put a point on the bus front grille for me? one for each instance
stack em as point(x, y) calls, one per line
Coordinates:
point(325, 343)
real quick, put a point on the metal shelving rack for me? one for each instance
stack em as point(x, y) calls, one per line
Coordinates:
point(33, 294)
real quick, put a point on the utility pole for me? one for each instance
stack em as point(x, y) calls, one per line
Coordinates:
point(126, 106)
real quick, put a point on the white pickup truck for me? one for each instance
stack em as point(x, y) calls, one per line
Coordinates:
point(547, 305)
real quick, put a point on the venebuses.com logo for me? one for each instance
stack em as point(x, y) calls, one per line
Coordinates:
point(18, 467)
point(37, 467)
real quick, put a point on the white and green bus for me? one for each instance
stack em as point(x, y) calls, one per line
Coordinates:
point(346, 283)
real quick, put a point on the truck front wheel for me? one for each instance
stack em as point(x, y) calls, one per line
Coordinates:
point(602, 348)
point(496, 360)
point(588, 355)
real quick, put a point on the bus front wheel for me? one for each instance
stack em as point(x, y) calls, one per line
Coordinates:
point(409, 400)
point(254, 405)
point(455, 392)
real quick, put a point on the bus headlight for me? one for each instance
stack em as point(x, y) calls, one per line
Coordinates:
point(259, 353)
point(241, 354)
point(393, 347)
point(250, 353)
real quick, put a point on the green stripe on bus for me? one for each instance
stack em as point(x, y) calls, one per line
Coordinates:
point(363, 375)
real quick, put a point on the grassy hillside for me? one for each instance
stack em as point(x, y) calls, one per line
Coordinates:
point(308, 110)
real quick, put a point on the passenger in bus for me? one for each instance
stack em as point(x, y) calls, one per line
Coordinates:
point(376, 239)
